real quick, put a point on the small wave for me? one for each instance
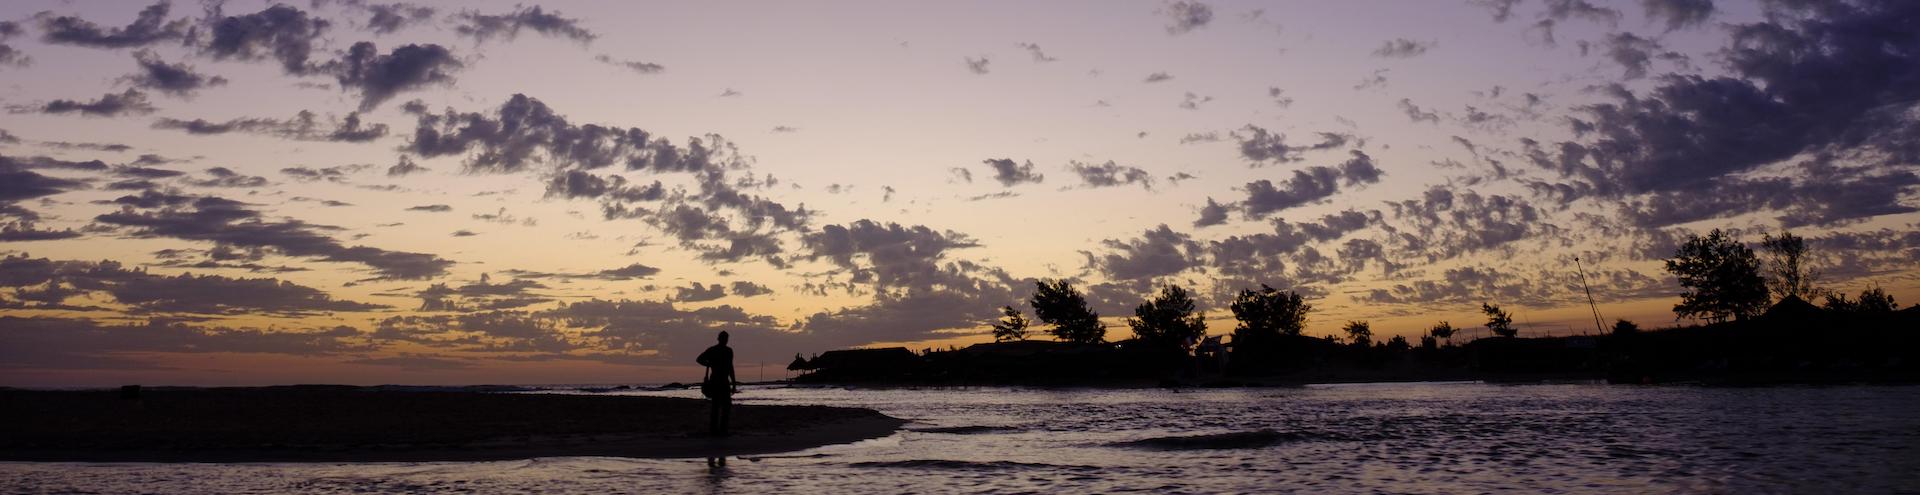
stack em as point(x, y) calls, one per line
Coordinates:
point(965, 430)
point(965, 465)
point(1234, 440)
point(758, 458)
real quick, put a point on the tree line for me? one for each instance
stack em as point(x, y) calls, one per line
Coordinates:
point(1725, 280)
point(1722, 279)
point(1168, 321)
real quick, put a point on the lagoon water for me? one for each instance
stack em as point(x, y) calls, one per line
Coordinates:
point(1396, 438)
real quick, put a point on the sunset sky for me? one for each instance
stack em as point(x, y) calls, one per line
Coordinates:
point(499, 192)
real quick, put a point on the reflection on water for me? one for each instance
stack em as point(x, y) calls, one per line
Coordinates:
point(1436, 438)
point(717, 474)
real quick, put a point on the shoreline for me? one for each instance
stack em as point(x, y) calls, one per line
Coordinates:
point(353, 424)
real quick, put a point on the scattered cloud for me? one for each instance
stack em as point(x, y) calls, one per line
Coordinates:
point(129, 102)
point(405, 167)
point(1678, 14)
point(1562, 10)
point(10, 56)
point(174, 79)
point(1377, 79)
point(380, 77)
point(744, 288)
point(1111, 174)
point(1185, 16)
point(1635, 54)
point(1009, 174)
point(1501, 9)
point(1402, 48)
point(1279, 97)
point(485, 27)
point(637, 67)
point(1260, 146)
point(1038, 55)
point(303, 126)
point(389, 18)
point(225, 177)
point(699, 293)
point(336, 174)
point(149, 27)
point(1193, 101)
point(1309, 185)
point(1416, 114)
point(280, 32)
point(1157, 253)
point(977, 65)
point(1212, 214)
point(41, 282)
point(73, 343)
point(233, 224)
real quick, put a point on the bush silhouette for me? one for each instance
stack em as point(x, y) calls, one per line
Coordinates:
point(1398, 343)
point(1872, 300)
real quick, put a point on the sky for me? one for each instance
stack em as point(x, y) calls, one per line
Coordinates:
point(347, 191)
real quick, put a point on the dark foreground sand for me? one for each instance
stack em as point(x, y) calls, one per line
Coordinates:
point(350, 424)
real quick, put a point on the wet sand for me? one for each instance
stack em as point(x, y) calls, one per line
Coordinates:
point(352, 424)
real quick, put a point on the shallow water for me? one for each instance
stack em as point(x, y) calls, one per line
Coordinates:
point(1398, 438)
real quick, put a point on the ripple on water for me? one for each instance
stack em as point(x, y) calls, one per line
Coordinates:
point(945, 464)
point(1443, 438)
point(1217, 441)
point(966, 430)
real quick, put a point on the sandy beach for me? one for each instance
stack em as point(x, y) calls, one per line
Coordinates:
point(353, 424)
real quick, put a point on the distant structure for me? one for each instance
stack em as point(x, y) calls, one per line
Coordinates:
point(1212, 354)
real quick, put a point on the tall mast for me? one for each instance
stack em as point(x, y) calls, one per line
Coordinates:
point(1590, 305)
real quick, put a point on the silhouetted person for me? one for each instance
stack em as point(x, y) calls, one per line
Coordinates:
point(719, 384)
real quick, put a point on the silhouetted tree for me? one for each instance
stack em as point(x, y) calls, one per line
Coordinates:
point(1443, 331)
point(1789, 275)
point(1266, 315)
point(799, 363)
point(1059, 304)
point(1012, 325)
point(1499, 321)
point(1359, 333)
point(1398, 343)
point(1838, 301)
point(1872, 300)
point(1721, 277)
point(1429, 343)
point(1167, 322)
point(1624, 327)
